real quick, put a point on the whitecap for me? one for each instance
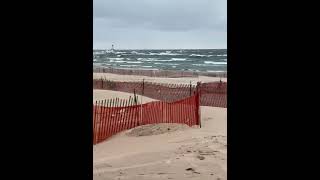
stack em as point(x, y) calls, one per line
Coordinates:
point(133, 62)
point(178, 59)
point(128, 65)
point(215, 71)
point(198, 55)
point(115, 58)
point(135, 52)
point(199, 65)
point(119, 52)
point(217, 63)
point(168, 53)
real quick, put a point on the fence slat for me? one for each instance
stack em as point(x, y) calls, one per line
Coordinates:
point(126, 125)
point(114, 115)
point(123, 117)
point(100, 121)
point(131, 115)
point(106, 132)
point(94, 122)
point(104, 114)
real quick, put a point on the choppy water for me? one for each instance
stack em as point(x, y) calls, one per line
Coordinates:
point(207, 60)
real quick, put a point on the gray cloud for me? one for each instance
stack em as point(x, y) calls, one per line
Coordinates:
point(160, 23)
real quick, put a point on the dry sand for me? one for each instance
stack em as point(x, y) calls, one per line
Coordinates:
point(182, 153)
point(107, 94)
point(183, 80)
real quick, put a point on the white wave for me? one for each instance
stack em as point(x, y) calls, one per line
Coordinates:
point(215, 71)
point(133, 62)
point(168, 53)
point(202, 55)
point(118, 55)
point(198, 55)
point(163, 60)
point(152, 69)
point(128, 65)
point(119, 52)
point(95, 60)
point(169, 64)
point(178, 59)
point(138, 53)
point(193, 70)
point(222, 55)
point(174, 66)
point(199, 65)
point(118, 61)
point(115, 59)
point(147, 66)
point(146, 59)
point(217, 63)
point(98, 53)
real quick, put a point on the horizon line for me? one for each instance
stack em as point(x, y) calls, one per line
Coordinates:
point(159, 48)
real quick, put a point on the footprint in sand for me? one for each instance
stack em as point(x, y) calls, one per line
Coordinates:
point(200, 157)
point(192, 170)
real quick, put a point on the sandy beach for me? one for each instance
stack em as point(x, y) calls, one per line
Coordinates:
point(181, 80)
point(164, 151)
point(170, 54)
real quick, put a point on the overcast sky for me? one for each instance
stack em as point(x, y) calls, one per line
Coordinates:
point(160, 24)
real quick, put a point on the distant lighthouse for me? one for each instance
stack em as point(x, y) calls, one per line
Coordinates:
point(111, 50)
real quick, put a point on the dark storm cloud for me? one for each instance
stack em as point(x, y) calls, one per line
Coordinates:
point(116, 19)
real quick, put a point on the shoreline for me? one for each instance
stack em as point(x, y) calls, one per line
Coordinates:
point(158, 72)
point(168, 80)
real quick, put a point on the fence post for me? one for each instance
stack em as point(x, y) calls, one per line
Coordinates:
point(143, 87)
point(135, 97)
point(198, 110)
point(190, 89)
